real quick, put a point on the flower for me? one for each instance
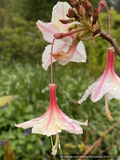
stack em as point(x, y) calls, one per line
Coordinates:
point(25, 133)
point(65, 49)
point(4, 108)
point(43, 143)
point(108, 83)
point(53, 121)
point(2, 142)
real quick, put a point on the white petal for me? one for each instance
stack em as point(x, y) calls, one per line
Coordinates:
point(80, 54)
point(115, 90)
point(46, 57)
point(103, 85)
point(59, 12)
point(41, 129)
point(47, 29)
point(27, 124)
point(87, 93)
point(68, 124)
point(81, 123)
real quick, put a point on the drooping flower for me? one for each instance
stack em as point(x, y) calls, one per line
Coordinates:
point(108, 83)
point(65, 49)
point(53, 121)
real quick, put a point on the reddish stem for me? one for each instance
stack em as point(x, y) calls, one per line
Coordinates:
point(108, 20)
point(62, 35)
point(51, 61)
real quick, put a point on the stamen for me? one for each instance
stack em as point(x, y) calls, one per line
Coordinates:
point(108, 113)
point(57, 145)
point(51, 140)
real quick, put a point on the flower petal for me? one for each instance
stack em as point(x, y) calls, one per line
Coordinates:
point(87, 93)
point(46, 58)
point(47, 29)
point(27, 124)
point(103, 85)
point(80, 53)
point(65, 57)
point(41, 129)
point(69, 124)
point(59, 12)
point(115, 90)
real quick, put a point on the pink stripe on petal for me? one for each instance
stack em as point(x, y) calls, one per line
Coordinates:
point(58, 49)
point(47, 29)
point(99, 88)
point(63, 118)
point(78, 53)
point(61, 48)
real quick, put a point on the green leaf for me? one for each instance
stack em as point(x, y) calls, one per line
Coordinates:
point(5, 99)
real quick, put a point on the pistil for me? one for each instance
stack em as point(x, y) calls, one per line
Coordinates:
point(108, 113)
point(56, 146)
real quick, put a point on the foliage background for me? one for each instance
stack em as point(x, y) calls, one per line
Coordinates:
point(21, 74)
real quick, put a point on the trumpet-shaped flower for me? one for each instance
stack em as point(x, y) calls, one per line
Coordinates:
point(108, 83)
point(53, 121)
point(65, 49)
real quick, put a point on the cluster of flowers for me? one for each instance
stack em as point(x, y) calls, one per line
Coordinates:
point(66, 31)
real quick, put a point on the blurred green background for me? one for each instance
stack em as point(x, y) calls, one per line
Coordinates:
point(21, 74)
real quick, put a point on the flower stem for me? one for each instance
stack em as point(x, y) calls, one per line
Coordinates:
point(108, 20)
point(51, 61)
point(62, 35)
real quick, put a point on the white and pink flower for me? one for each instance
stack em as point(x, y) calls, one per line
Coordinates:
point(108, 84)
point(64, 49)
point(53, 121)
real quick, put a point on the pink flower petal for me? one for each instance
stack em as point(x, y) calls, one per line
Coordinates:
point(46, 58)
point(65, 57)
point(47, 29)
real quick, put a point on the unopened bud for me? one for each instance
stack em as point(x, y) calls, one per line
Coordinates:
point(95, 16)
point(88, 6)
point(81, 11)
point(64, 21)
point(75, 3)
point(72, 13)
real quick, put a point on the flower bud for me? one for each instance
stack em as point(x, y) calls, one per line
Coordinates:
point(64, 21)
point(95, 16)
point(81, 11)
point(72, 13)
point(88, 6)
point(75, 3)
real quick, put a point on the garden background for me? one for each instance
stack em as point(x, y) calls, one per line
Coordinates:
point(22, 75)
